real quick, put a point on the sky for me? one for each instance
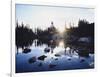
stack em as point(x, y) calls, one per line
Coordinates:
point(42, 16)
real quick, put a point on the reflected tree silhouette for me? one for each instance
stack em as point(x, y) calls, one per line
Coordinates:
point(84, 29)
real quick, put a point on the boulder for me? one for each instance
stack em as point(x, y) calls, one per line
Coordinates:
point(32, 60)
point(26, 50)
point(46, 50)
point(42, 57)
point(57, 55)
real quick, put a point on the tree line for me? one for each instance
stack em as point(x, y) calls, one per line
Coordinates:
point(25, 35)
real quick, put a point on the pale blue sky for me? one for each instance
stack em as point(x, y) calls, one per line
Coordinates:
point(41, 16)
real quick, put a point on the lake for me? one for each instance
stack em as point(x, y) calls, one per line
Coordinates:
point(58, 60)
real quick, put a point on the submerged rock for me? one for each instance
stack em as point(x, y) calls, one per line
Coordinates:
point(69, 59)
point(32, 60)
point(56, 58)
point(40, 64)
point(51, 57)
point(82, 60)
point(26, 50)
point(52, 65)
point(42, 57)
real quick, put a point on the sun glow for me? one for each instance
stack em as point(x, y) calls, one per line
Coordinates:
point(61, 44)
point(61, 29)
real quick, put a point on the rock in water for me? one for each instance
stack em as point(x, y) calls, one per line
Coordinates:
point(52, 65)
point(82, 60)
point(47, 50)
point(32, 60)
point(57, 55)
point(26, 50)
point(69, 59)
point(56, 58)
point(42, 57)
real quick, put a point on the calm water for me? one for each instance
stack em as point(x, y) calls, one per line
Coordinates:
point(51, 62)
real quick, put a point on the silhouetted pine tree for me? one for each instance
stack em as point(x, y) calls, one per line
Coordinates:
point(24, 36)
point(84, 29)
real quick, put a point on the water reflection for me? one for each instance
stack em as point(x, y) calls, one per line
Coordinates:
point(51, 56)
point(61, 43)
point(54, 47)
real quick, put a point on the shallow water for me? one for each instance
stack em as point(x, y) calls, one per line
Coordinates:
point(62, 62)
